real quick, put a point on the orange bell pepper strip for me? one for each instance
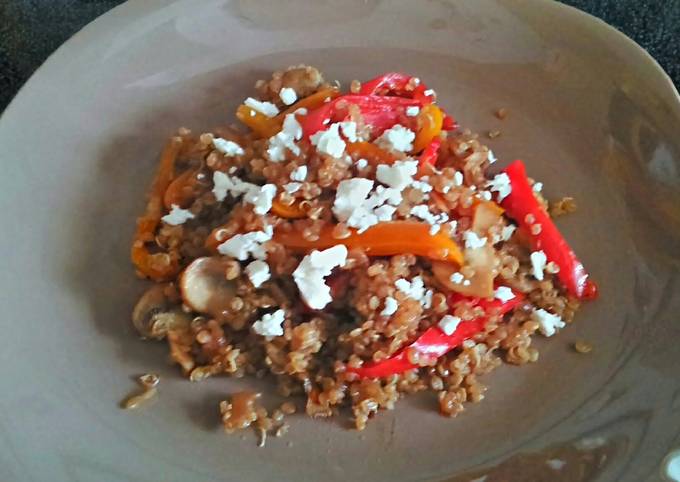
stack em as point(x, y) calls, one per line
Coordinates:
point(264, 126)
point(156, 266)
point(293, 211)
point(430, 121)
point(383, 239)
point(372, 153)
point(180, 192)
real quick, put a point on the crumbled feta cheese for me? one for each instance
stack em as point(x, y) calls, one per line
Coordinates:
point(261, 198)
point(434, 229)
point(177, 216)
point(538, 262)
point(485, 195)
point(413, 289)
point(224, 184)
point(292, 187)
point(422, 186)
point(329, 141)
point(258, 272)
point(291, 131)
point(350, 194)
point(555, 464)
point(472, 241)
point(467, 282)
point(228, 148)
point(491, 157)
point(396, 138)
point(537, 187)
point(288, 96)
point(507, 231)
point(349, 130)
point(270, 324)
point(299, 174)
point(361, 163)
point(449, 323)
point(427, 299)
point(390, 307)
point(232, 169)
point(412, 110)
point(503, 293)
point(422, 211)
point(300, 111)
point(310, 275)
point(266, 108)
point(242, 246)
point(397, 175)
point(458, 178)
point(500, 184)
point(384, 213)
point(457, 278)
point(429, 92)
point(453, 225)
point(547, 322)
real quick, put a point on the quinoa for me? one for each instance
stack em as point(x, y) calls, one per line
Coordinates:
point(228, 297)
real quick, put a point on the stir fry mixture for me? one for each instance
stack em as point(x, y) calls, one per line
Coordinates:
point(353, 247)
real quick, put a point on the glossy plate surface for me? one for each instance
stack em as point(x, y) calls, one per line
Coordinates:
point(592, 115)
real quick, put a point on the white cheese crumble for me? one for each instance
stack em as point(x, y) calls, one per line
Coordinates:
point(177, 216)
point(422, 185)
point(261, 198)
point(270, 324)
point(361, 163)
point(547, 322)
point(329, 141)
point(537, 187)
point(503, 293)
point(458, 178)
point(449, 323)
point(485, 195)
point(429, 92)
point(242, 246)
point(310, 275)
point(422, 211)
point(390, 307)
point(538, 262)
point(292, 187)
point(453, 225)
point(412, 110)
point(288, 96)
point(291, 131)
point(299, 174)
point(415, 289)
point(228, 148)
point(500, 184)
point(300, 111)
point(398, 175)
point(472, 241)
point(396, 138)
point(507, 231)
point(258, 272)
point(457, 278)
point(349, 130)
point(491, 157)
point(266, 108)
point(350, 194)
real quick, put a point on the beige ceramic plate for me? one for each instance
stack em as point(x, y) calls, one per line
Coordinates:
point(590, 113)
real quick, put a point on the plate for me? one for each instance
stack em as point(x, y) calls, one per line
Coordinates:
point(592, 115)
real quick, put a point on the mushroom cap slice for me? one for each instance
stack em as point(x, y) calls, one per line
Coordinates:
point(154, 315)
point(205, 288)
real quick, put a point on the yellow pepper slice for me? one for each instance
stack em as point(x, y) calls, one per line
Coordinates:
point(430, 120)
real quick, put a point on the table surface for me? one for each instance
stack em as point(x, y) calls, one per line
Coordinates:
point(30, 30)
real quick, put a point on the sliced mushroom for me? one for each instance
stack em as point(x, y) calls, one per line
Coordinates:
point(154, 315)
point(482, 260)
point(205, 288)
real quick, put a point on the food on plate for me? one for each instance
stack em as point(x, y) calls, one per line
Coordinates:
point(355, 247)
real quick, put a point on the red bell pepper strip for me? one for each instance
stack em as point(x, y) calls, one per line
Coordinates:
point(430, 153)
point(378, 111)
point(520, 204)
point(396, 84)
point(449, 123)
point(434, 342)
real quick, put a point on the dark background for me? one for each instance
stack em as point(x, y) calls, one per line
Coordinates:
point(30, 30)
